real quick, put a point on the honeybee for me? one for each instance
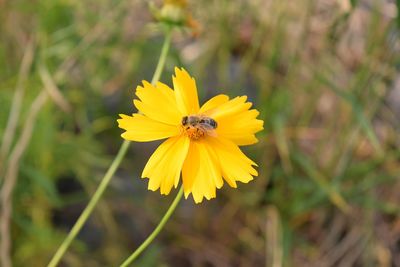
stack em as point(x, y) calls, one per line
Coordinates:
point(197, 126)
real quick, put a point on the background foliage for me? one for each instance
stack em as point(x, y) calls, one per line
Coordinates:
point(323, 73)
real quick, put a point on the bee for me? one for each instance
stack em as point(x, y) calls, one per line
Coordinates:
point(197, 126)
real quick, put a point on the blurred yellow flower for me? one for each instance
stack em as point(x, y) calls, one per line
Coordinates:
point(202, 142)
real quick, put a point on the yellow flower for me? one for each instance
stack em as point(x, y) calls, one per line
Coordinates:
point(202, 142)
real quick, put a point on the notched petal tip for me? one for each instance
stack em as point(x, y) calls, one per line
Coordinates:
point(146, 84)
point(165, 193)
point(122, 120)
point(182, 73)
point(197, 199)
point(186, 193)
point(200, 199)
point(138, 90)
point(180, 70)
point(242, 98)
point(254, 113)
point(135, 101)
point(152, 188)
point(124, 135)
point(123, 116)
point(233, 185)
point(140, 87)
point(245, 181)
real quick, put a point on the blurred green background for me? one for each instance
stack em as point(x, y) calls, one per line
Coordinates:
point(325, 75)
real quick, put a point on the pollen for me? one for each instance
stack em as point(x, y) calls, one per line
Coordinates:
point(194, 133)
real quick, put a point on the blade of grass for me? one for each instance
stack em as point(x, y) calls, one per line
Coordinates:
point(357, 108)
point(11, 176)
point(16, 104)
point(334, 196)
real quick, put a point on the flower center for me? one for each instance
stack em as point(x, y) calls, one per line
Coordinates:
point(197, 126)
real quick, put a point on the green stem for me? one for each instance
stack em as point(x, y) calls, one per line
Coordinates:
point(163, 57)
point(89, 208)
point(156, 231)
point(110, 172)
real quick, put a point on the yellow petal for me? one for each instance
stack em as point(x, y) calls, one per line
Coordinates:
point(190, 168)
point(201, 173)
point(214, 103)
point(229, 108)
point(235, 121)
point(164, 166)
point(240, 127)
point(142, 129)
point(158, 103)
point(185, 92)
point(235, 165)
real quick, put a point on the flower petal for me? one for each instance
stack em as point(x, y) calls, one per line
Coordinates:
point(229, 108)
point(201, 173)
point(143, 129)
point(235, 165)
point(185, 92)
point(190, 168)
point(240, 127)
point(235, 121)
point(158, 103)
point(164, 167)
point(214, 102)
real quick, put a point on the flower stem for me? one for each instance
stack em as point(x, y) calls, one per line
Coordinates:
point(163, 56)
point(89, 208)
point(110, 172)
point(156, 231)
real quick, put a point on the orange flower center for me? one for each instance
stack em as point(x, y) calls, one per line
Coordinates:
point(194, 133)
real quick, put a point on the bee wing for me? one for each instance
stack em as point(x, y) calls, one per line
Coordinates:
point(212, 133)
point(205, 126)
point(208, 129)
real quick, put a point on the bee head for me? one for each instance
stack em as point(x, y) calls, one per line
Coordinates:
point(185, 120)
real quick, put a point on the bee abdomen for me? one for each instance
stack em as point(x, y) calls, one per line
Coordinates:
point(213, 123)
